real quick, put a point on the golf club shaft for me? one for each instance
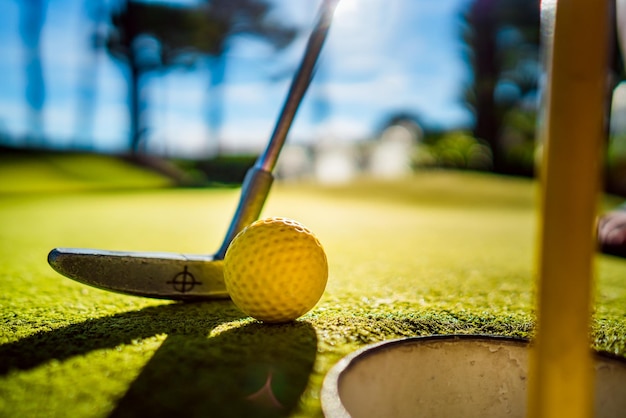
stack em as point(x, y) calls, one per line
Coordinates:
point(299, 85)
point(259, 178)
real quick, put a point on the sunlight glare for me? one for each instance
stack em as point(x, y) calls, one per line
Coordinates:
point(346, 8)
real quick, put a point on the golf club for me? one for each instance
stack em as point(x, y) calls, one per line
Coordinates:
point(197, 277)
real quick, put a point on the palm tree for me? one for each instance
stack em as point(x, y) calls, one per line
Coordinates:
point(502, 39)
point(153, 36)
point(235, 18)
point(32, 18)
point(147, 37)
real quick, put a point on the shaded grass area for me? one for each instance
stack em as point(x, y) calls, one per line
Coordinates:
point(29, 172)
point(437, 253)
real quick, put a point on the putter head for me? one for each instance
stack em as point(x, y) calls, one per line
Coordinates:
point(155, 275)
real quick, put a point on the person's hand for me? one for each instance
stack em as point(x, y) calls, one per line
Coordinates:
point(612, 233)
point(612, 228)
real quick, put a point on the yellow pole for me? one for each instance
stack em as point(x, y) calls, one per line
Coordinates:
point(561, 370)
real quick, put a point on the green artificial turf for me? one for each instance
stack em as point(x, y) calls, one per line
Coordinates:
point(437, 253)
point(40, 172)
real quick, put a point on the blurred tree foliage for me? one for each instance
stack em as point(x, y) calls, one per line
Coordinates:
point(148, 37)
point(454, 149)
point(502, 41)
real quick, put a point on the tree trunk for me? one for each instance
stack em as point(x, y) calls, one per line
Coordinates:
point(486, 71)
point(31, 24)
point(136, 128)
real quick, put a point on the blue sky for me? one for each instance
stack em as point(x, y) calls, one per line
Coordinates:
point(382, 56)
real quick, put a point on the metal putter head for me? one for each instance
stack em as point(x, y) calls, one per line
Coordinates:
point(197, 277)
point(154, 275)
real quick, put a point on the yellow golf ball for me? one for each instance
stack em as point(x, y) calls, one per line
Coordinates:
point(275, 270)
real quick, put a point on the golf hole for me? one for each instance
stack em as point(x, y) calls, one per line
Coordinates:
point(450, 376)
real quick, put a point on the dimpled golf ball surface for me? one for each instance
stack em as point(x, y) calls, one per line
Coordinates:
point(275, 270)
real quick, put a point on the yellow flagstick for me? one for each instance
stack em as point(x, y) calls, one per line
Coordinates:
point(561, 380)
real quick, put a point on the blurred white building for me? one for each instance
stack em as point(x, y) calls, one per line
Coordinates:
point(330, 161)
